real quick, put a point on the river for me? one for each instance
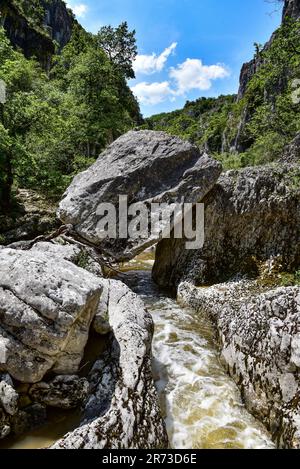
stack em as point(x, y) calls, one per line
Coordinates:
point(201, 404)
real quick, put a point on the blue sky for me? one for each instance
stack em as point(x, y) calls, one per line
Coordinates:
point(187, 48)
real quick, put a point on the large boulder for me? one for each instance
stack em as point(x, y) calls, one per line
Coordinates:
point(250, 216)
point(146, 166)
point(122, 410)
point(47, 305)
point(259, 334)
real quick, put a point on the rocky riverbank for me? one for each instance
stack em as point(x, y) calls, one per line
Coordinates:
point(54, 291)
point(251, 251)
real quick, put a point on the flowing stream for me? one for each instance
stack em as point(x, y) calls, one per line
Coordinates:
point(200, 402)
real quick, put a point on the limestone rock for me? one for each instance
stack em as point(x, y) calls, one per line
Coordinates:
point(64, 392)
point(250, 215)
point(260, 345)
point(291, 153)
point(83, 256)
point(122, 410)
point(46, 309)
point(146, 166)
point(291, 9)
point(34, 215)
point(101, 321)
point(38, 40)
point(8, 396)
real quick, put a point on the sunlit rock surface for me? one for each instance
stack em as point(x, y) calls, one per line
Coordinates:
point(46, 309)
point(260, 339)
point(250, 216)
point(146, 166)
point(122, 410)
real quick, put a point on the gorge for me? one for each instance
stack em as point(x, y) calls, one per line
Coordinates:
point(142, 343)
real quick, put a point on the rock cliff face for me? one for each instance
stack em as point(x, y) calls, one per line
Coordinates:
point(58, 21)
point(38, 40)
point(291, 9)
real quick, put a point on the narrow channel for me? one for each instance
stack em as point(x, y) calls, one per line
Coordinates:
point(200, 402)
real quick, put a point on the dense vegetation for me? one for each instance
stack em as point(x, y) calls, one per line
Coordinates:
point(202, 122)
point(55, 124)
point(254, 129)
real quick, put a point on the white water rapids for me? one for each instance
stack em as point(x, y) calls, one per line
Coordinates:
point(201, 403)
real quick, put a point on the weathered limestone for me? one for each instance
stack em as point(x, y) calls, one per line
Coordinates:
point(46, 309)
point(122, 410)
point(259, 332)
point(13, 419)
point(146, 166)
point(250, 215)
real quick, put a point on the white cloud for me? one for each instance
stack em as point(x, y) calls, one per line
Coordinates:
point(79, 9)
point(190, 75)
point(152, 93)
point(153, 63)
point(193, 75)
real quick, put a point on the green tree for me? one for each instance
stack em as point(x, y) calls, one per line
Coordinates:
point(120, 46)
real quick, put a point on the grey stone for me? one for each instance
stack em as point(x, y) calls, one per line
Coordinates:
point(63, 392)
point(251, 216)
point(147, 166)
point(46, 309)
point(256, 348)
point(122, 410)
point(28, 419)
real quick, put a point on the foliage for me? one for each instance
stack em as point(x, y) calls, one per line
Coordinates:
point(52, 127)
point(120, 46)
point(254, 129)
point(201, 122)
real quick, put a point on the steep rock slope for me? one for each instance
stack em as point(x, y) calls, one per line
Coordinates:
point(36, 34)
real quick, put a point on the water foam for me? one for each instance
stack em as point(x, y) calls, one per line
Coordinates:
point(201, 403)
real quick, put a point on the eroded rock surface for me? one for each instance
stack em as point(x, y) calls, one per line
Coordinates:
point(122, 410)
point(250, 215)
point(259, 332)
point(63, 392)
point(14, 419)
point(146, 166)
point(47, 305)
